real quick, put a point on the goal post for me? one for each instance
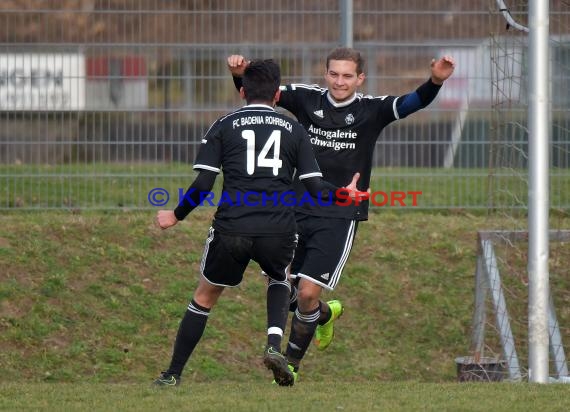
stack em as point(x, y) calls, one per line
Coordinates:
point(538, 191)
point(495, 296)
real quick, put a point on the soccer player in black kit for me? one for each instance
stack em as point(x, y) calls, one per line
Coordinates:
point(343, 126)
point(258, 151)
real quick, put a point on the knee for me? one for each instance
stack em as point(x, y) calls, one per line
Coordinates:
point(207, 297)
point(307, 299)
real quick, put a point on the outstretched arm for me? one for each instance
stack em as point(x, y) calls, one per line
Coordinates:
point(409, 103)
point(192, 198)
point(322, 189)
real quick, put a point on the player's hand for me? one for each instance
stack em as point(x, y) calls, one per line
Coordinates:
point(442, 69)
point(237, 65)
point(353, 192)
point(166, 218)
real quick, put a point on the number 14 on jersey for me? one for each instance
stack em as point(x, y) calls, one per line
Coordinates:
point(273, 144)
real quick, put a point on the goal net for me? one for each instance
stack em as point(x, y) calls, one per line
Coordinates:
point(500, 320)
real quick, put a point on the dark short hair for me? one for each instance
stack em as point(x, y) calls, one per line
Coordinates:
point(346, 53)
point(261, 80)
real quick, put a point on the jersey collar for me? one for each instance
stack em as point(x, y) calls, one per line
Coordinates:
point(258, 105)
point(343, 104)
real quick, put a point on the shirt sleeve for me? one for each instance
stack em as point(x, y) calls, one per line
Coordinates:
point(195, 193)
point(420, 98)
point(307, 165)
point(209, 155)
point(287, 98)
point(321, 189)
point(294, 97)
point(237, 82)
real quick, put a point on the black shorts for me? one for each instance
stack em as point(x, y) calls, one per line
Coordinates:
point(226, 256)
point(324, 246)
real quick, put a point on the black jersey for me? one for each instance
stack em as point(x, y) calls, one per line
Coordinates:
point(343, 137)
point(258, 151)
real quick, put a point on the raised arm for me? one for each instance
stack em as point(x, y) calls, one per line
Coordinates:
point(409, 103)
point(236, 65)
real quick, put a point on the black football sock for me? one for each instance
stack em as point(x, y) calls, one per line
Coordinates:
point(277, 311)
point(189, 334)
point(303, 328)
point(325, 313)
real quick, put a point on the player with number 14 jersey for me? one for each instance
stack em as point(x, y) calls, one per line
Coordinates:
point(257, 138)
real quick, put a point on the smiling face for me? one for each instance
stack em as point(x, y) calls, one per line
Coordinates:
point(342, 79)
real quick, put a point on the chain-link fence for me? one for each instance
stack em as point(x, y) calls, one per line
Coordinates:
point(103, 101)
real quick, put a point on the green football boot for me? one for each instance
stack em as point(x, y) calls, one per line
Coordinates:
point(295, 375)
point(167, 379)
point(324, 333)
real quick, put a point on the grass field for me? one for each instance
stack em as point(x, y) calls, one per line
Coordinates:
point(338, 395)
point(90, 302)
